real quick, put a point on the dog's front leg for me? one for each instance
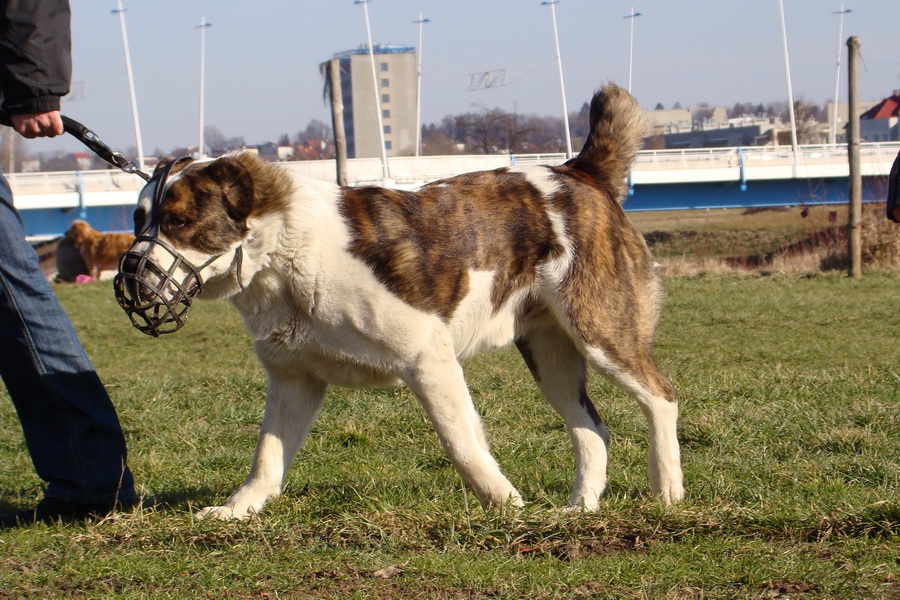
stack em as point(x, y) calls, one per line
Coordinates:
point(437, 380)
point(292, 404)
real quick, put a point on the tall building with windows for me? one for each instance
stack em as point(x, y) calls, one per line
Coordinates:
point(395, 70)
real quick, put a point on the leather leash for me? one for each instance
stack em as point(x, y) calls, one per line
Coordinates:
point(92, 141)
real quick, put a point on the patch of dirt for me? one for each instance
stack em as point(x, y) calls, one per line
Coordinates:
point(790, 589)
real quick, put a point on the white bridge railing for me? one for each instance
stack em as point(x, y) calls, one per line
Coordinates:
point(66, 189)
point(705, 158)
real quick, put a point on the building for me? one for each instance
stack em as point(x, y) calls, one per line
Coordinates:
point(759, 132)
point(83, 160)
point(677, 128)
point(396, 76)
point(843, 117)
point(677, 120)
point(683, 128)
point(881, 123)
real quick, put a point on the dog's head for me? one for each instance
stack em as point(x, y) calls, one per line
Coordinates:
point(80, 232)
point(191, 217)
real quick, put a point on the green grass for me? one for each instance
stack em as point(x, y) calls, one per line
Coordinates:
point(790, 431)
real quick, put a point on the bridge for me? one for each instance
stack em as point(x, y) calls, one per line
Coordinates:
point(756, 176)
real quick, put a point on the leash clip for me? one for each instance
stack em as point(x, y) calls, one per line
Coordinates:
point(93, 141)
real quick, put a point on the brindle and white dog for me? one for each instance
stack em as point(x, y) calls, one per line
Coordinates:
point(371, 286)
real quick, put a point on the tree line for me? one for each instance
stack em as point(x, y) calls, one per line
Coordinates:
point(482, 130)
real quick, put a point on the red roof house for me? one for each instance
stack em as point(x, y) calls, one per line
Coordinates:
point(881, 123)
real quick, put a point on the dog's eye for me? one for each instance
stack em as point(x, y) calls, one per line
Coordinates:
point(174, 222)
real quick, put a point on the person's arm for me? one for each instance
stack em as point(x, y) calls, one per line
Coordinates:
point(35, 63)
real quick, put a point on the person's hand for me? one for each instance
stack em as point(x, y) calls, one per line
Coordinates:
point(32, 125)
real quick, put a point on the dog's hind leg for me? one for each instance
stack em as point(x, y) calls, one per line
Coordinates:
point(560, 372)
point(610, 303)
point(292, 404)
point(642, 380)
point(437, 380)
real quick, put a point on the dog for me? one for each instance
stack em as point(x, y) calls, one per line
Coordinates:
point(372, 286)
point(99, 251)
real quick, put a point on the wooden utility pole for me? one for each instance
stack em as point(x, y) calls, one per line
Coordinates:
point(854, 222)
point(337, 119)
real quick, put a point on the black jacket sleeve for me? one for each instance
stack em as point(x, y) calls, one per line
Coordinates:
point(35, 54)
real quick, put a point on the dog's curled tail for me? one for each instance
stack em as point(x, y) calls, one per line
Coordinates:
point(617, 128)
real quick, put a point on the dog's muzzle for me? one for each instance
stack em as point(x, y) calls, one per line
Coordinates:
point(156, 297)
point(155, 283)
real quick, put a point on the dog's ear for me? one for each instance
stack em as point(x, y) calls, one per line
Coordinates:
point(236, 182)
point(162, 165)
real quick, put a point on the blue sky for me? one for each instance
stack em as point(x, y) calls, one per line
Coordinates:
point(262, 58)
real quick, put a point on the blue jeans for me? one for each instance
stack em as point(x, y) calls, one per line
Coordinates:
point(71, 428)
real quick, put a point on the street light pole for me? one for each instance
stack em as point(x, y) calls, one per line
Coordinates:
point(420, 21)
point(202, 27)
point(631, 18)
point(134, 111)
point(562, 86)
point(385, 171)
point(837, 72)
point(787, 72)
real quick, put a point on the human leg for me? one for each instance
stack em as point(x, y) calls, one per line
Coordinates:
point(70, 425)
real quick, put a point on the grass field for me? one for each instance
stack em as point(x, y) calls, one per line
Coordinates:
point(790, 431)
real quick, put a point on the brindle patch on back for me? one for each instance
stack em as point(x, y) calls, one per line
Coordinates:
point(422, 245)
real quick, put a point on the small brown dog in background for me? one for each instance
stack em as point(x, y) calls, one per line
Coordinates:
point(99, 251)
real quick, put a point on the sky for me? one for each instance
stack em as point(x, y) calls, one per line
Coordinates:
point(262, 58)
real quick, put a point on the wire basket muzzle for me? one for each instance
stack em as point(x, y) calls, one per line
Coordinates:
point(156, 297)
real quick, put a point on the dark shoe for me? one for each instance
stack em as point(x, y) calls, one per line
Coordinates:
point(51, 510)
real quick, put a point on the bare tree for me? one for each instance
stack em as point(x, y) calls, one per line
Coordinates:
point(315, 130)
point(214, 138)
point(702, 113)
point(436, 141)
point(514, 131)
point(580, 122)
point(809, 129)
point(485, 129)
point(489, 131)
point(543, 133)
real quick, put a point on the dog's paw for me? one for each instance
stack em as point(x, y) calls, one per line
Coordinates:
point(671, 495)
point(583, 504)
point(222, 513)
